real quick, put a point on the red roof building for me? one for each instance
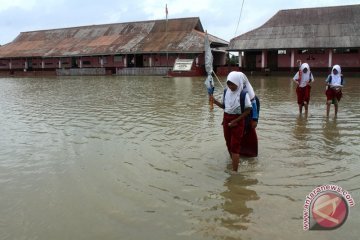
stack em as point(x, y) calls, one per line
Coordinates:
point(146, 47)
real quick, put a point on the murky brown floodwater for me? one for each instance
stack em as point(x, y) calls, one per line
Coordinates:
point(143, 158)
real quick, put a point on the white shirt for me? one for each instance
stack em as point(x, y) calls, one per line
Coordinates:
point(305, 78)
point(237, 110)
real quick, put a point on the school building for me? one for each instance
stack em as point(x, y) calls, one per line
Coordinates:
point(133, 48)
point(321, 37)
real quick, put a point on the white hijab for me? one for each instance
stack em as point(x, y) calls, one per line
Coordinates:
point(248, 87)
point(305, 76)
point(336, 79)
point(232, 98)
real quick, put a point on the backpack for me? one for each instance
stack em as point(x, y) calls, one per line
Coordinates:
point(255, 111)
point(330, 79)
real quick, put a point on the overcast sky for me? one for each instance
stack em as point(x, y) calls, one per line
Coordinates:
point(219, 18)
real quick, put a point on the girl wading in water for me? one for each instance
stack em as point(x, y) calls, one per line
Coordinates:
point(334, 86)
point(234, 116)
point(303, 79)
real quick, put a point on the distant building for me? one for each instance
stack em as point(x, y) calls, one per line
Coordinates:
point(321, 37)
point(147, 47)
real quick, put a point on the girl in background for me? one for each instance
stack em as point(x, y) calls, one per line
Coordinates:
point(334, 84)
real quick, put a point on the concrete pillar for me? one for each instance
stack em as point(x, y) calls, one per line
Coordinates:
point(26, 64)
point(150, 61)
point(59, 63)
point(292, 61)
point(244, 61)
point(102, 62)
point(125, 61)
point(42, 63)
point(263, 59)
point(80, 62)
point(330, 58)
point(10, 64)
point(240, 59)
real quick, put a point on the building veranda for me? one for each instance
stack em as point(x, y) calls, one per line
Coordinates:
point(321, 37)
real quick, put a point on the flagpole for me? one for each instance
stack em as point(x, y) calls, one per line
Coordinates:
point(209, 59)
point(166, 35)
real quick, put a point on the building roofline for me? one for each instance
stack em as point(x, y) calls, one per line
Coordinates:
point(316, 27)
point(108, 24)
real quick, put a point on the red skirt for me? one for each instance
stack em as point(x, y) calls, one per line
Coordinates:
point(233, 135)
point(332, 94)
point(249, 143)
point(303, 94)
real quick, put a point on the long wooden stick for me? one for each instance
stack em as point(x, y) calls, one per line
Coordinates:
point(211, 102)
point(218, 79)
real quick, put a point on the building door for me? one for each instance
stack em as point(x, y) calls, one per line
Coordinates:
point(74, 62)
point(272, 59)
point(29, 64)
point(250, 60)
point(139, 60)
point(131, 60)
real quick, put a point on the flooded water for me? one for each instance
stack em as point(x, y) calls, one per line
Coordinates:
point(144, 158)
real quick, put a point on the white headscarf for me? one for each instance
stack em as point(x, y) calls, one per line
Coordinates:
point(336, 79)
point(232, 98)
point(305, 77)
point(248, 87)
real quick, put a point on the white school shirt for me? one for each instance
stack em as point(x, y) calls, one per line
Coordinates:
point(247, 104)
point(305, 78)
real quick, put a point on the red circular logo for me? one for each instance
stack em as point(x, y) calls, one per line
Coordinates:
point(330, 210)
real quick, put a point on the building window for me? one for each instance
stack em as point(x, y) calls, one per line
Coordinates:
point(345, 50)
point(104, 60)
point(118, 58)
point(311, 51)
point(86, 63)
point(281, 52)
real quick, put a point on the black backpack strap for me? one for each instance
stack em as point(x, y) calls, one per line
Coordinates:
point(224, 97)
point(242, 100)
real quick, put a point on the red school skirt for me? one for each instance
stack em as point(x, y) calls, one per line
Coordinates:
point(249, 143)
point(332, 94)
point(233, 135)
point(303, 94)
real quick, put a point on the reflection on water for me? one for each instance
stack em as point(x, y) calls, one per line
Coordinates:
point(236, 199)
point(331, 132)
point(144, 158)
point(301, 130)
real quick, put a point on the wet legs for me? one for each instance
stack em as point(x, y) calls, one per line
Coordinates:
point(235, 158)
point(336, 108)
